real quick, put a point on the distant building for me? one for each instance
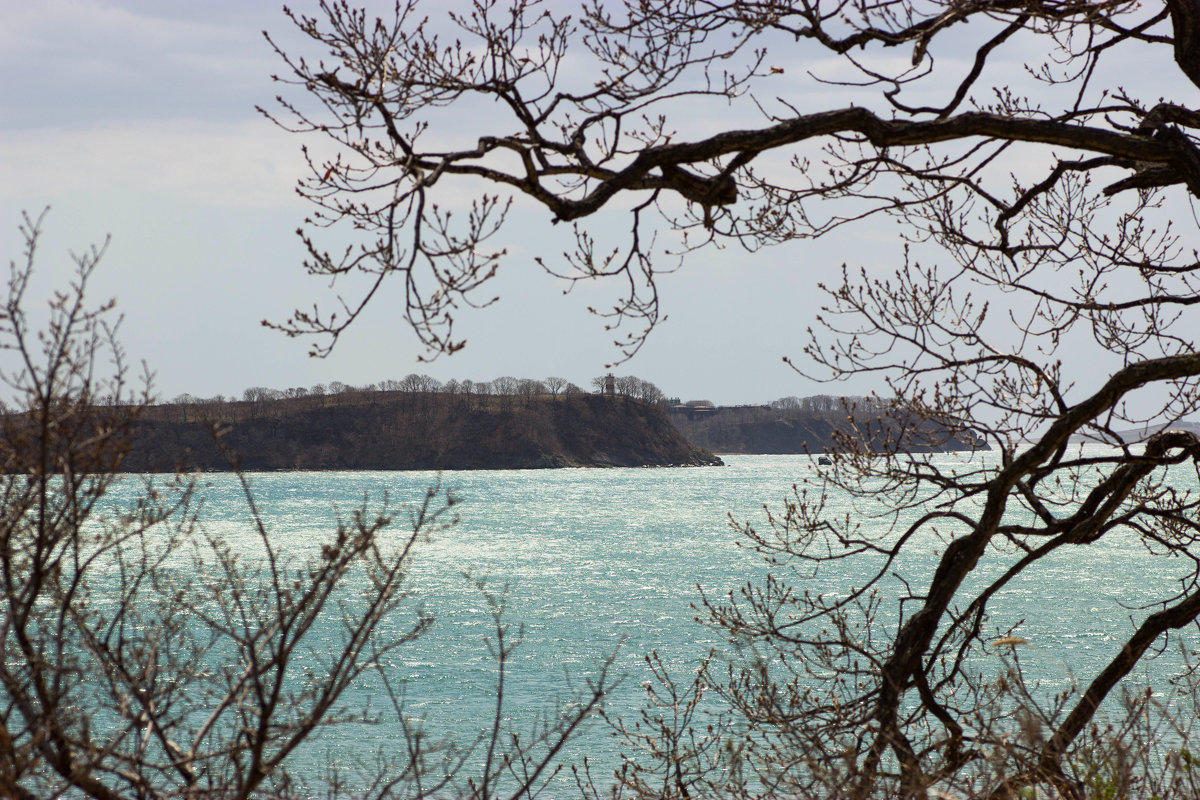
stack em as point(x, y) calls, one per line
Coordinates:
point(610, 385)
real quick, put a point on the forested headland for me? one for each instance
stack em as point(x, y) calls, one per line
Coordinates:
point(393, 426)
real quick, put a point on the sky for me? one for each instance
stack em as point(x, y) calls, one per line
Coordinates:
point(136, 120)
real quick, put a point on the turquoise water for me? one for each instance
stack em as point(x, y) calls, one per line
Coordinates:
point(606, 564)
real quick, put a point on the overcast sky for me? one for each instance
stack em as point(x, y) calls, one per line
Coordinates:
point(136, 119)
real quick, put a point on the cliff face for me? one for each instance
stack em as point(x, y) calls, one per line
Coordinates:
point(393, 430)
point(763, 430)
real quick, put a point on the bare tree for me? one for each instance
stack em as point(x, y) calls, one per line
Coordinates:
point(647, 392)
point(1079, 245)
point(144, 656)
point(506, 384)
point(416, 383)
point(530, 390)
point(505, 390)
point(583, 135)
point(786, 404)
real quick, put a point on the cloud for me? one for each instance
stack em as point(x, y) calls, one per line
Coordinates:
point(212, 163)
point(63, 28)
point(84, 61)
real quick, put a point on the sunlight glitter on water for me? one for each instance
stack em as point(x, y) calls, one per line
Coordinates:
point(598, 564)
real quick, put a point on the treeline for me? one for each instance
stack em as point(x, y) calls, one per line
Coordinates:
point(423, 392)
point(825, 405)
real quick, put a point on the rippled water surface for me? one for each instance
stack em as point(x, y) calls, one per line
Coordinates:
point(600, 564)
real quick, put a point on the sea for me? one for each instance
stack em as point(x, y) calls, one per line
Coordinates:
point(594, 569)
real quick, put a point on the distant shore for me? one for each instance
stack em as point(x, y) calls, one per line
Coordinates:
point(815, 426)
